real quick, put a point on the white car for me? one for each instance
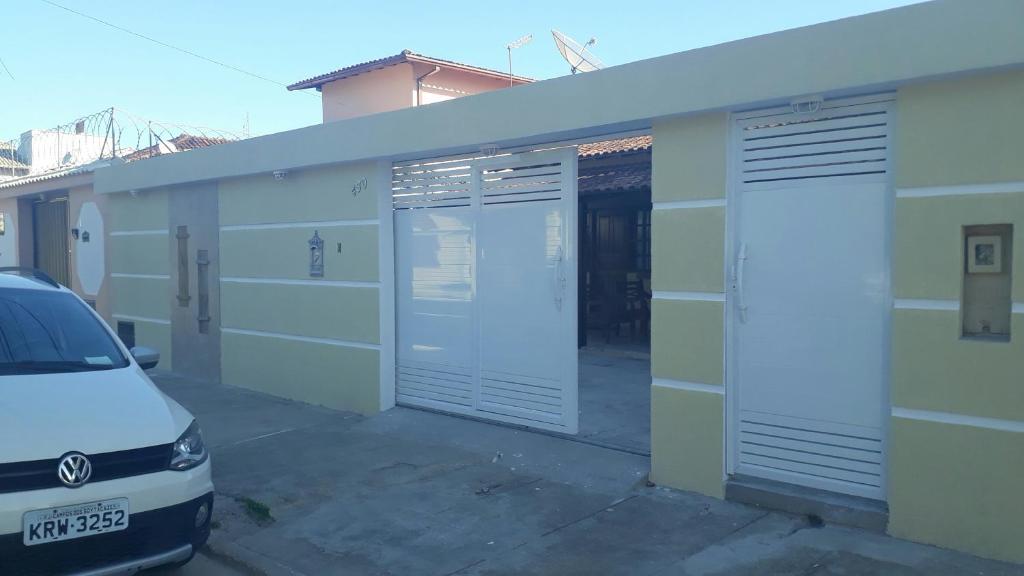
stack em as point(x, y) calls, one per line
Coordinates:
point(100, 472)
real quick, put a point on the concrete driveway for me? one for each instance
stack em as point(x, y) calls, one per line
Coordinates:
point(307, 491)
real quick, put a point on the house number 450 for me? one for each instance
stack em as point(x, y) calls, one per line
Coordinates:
point(358, 187)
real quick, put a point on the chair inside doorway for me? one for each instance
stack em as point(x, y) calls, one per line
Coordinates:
point(615, 292)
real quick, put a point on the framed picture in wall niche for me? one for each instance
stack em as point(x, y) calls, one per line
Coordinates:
point(984, 254)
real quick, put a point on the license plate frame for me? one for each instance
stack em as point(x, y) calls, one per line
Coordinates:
point(74, 521)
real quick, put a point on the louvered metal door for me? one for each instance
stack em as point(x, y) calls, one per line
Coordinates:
point(810, 296)
point(486, 296)
point(50, 239)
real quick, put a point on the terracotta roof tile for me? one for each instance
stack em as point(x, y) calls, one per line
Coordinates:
point(180, 143)
point(617, 177)
point(9, 159)
point(401, 57)
point(632, 144)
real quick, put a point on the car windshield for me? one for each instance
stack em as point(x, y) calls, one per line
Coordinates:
point(44, 331)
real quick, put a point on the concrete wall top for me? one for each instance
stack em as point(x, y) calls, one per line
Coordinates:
point(875, 51)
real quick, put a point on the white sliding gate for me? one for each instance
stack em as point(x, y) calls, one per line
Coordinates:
point(810, 296)
point(485, 272)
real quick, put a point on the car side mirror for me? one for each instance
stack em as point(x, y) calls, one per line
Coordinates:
point(146, 357)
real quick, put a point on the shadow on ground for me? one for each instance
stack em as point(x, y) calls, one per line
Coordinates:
point(411, 492)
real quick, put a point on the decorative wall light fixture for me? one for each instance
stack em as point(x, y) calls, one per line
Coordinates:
point(807, 105)
point(984, 254)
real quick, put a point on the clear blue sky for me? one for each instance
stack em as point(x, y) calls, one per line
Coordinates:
point(66, 66)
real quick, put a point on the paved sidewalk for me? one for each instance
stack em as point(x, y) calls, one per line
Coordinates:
point(308, 491)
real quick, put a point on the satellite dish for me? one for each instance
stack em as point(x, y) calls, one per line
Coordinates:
point(576, 54)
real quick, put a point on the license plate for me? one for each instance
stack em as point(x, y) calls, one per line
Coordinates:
point(76, 521)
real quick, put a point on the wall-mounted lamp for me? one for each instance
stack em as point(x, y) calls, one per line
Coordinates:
point(280, 174)
point(74, 233)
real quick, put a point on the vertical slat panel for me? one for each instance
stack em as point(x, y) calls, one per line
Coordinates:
point(463, 225)
point(51, 239)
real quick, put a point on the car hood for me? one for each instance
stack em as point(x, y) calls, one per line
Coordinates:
point(45, 416)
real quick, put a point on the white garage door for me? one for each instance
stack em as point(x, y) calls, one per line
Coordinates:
point(810, 296)
point(486, 287)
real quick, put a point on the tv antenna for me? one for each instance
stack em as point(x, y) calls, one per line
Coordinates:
point(522, 41)
point(576, 54)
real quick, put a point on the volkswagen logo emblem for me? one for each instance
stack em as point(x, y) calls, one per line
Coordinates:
point(74, 470)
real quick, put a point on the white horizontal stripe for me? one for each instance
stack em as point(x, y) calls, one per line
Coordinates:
point(329, 341)
point(923, 304)
point(959, 419)
point(294, 282)
point(140, 276)
point(945, 305)
point(932, 191)
point(682, 204)
point(690, 296)
point(279, 225)
point(690, 386)
point(141, 319)
point(160, 232)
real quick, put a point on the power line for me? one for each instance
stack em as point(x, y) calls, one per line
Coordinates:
point(166, 45)
point(6, 69)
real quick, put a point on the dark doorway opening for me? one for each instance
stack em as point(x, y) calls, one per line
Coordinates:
point(615, 292)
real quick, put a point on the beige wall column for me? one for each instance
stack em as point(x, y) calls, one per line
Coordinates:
point(956, 440)
point(687, 349)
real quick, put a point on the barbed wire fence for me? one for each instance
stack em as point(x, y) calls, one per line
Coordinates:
point(103, 135)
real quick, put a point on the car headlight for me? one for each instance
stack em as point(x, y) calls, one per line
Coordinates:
point(189, 449)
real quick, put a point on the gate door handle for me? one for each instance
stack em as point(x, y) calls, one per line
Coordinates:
point(560, 280)
point(203, 281)
point(182, 237)
point(741, 264)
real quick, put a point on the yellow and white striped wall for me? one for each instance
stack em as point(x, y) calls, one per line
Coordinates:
point(956, 457)
point(140, 259)
point(688, 307)
point(316, 340)
point(956, 433)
